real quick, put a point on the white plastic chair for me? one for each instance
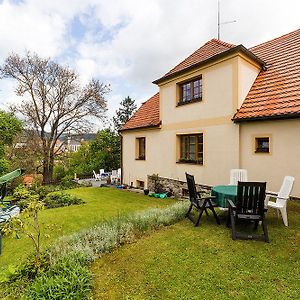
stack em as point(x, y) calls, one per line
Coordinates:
point(281, 197)
point(97, 176)
point(114, 175)
point(102, 171)
point(119, 173)
point(237, 175)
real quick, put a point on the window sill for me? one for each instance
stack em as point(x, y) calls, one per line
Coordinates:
point(190, 162)
point(140, 159)
point(263, 152)
point(180, 103)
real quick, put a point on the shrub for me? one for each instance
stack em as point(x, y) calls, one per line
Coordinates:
point(59, 199)
point(37, 181)
point(59, 172)
point(67, 182)
point(104, 237)
point(69, 278)
point(23, 196)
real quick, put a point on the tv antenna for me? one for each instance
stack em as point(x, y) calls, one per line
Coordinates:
point(222, 23)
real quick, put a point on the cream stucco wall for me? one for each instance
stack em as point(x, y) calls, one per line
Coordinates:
point(247, 73)
point(284, 157)
point(224, 83)
point(226, 145)
point(161, 154)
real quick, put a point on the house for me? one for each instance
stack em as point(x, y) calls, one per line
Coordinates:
point(72, 143)
point(223, 107)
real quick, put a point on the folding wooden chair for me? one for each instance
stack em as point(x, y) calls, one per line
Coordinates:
point(200, 203)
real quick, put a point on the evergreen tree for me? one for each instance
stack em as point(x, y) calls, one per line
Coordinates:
point(124, 113)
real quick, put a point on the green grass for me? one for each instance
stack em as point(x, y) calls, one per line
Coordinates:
point(101, 204)
point(184, 262)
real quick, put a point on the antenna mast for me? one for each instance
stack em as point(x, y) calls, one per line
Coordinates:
point(221, 23)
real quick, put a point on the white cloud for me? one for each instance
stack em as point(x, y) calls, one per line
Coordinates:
point(130, 43)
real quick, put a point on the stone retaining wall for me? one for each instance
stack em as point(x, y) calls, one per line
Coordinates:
point(176, 187)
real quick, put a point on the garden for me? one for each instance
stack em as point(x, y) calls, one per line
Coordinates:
point(116, 244)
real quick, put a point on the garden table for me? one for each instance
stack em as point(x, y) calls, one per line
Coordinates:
point(224, 192)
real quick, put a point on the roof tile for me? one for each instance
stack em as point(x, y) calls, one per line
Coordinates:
point(208, 50)
point(146, 116)
point(276, 91)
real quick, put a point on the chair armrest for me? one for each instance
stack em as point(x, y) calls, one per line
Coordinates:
point(204, 195)
point(271, 193)
point(231, 204)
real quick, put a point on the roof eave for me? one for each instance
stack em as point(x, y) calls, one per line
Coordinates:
point(239, 48)
point(142, 127)
point(267, 118)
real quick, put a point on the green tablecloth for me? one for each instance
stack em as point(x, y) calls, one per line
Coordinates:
point(224, 192)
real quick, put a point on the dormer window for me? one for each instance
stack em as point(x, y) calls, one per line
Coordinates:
point(190, 91)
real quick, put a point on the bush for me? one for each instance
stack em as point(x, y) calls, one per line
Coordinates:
point(37, 181)
point(23, 196)
point(59, 199)
point(104, 237)
point(69, 278)
point(67, 182)
point(59, 172)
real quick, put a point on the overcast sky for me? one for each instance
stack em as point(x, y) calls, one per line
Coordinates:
point(130, 43)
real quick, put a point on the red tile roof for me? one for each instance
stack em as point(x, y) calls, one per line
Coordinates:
point(146, 116)
point(205, 52)
point(274, 94)
point(276, 91)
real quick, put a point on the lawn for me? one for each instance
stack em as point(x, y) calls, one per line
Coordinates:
point(101, 204)
point(184, 262)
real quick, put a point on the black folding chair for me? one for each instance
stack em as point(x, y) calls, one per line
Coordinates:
point(250, 206)
point(200, 203)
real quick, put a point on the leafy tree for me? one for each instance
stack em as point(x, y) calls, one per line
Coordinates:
point(102, 153)
point(54, 102)
point(81, 161)
point(105, 150)
point(10, 126)
point(124, 113)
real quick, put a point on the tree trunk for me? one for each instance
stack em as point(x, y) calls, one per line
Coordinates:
point(48, 163)
point(47, 177)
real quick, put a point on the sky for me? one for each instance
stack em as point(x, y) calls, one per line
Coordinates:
point(130, 43)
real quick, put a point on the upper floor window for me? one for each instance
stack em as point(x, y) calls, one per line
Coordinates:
point(191, 148)
point(141, 148)
point(190, 91)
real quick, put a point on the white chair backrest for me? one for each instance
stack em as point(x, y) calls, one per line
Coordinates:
point(119, 172)
point(101, 171)
point(285, 189)
point(238, 175)
point(114, 173)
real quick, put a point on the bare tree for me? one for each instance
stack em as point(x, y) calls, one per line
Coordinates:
point(54, 102)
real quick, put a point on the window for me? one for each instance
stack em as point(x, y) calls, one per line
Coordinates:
point(141, 148)
point(140, 184)
point(191, 148)
point(262, 145)
point(190, 91)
